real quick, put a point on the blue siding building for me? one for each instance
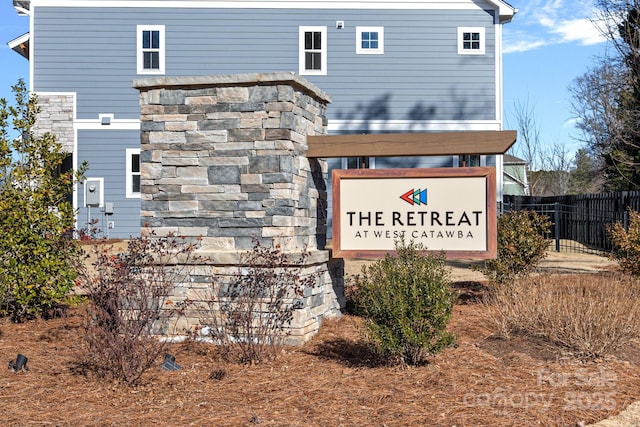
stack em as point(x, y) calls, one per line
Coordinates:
point(389, 66)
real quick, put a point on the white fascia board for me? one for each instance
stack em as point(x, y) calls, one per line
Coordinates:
point(505, 10)
point(74, 159)
point(116, 124)
point(19, 40)
point(514, 179)
point(31, 50)
point(55, 93)
point(502, 7)
point(22, 7)
point(499, 82)
point(22, 12)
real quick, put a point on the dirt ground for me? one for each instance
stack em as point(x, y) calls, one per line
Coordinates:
point(554, 262)
point(330, 381)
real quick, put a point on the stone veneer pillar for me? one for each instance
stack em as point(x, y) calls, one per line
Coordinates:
point(223, 161)
point(56, 116)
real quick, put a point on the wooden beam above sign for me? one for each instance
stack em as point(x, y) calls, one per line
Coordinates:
point(411, 144)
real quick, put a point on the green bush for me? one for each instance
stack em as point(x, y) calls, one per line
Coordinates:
point(36, 252)
point(406, 301)
point(626, 244)
point(521, 246)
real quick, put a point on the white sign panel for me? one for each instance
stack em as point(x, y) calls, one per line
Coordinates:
point(451, 210)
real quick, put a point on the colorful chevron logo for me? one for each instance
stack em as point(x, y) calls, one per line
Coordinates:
point(415, 197)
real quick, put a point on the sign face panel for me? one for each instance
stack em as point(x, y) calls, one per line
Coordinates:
point(444, 209)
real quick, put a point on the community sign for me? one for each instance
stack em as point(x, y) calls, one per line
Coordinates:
point(445, 209)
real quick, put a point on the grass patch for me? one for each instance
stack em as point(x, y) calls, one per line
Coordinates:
point(591, 316)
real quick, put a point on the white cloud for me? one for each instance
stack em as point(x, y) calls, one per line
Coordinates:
point(545, 13)
point(579, 30)
point(522, 45)
point(543, 22)
point(570, 123)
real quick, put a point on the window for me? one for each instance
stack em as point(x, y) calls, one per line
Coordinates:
point(133, 173)
point(469, 161)
point(358, 163)
point(313, 51)
point(471, 41)
point(151, 49)
point(370, 40)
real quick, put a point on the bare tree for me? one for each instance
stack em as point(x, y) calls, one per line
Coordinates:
point(558, 162)
point(528, 145)
point(606, 99)
point(618, 21)
point(548, 167)
point(595, 104)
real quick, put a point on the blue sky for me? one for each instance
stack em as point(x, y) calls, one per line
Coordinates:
point(547, 45)
point(12, 65)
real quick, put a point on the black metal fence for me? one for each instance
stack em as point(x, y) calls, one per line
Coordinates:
point(580, 222)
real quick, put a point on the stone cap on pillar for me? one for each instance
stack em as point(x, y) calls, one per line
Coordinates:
point(249, 79)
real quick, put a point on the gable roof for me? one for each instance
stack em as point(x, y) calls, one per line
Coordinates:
point(21, 45)
point(505, 10)
point(22, 6)
point(509, 159)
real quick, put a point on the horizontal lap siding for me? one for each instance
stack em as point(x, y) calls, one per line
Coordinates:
point(105, 152)
point(420, 76)
point(88, 52)
point(92, 51)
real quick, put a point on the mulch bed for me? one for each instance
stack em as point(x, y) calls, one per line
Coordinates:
point(331, 381)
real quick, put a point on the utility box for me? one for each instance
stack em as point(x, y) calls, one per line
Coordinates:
point(93, 192)
point(108, 208)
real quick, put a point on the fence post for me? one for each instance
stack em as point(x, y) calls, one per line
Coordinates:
point(625, 219)
point(556, 218)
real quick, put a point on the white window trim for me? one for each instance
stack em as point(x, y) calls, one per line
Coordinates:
point(479, 30)
point(379, 50)
point(323, 52)
point(129, 194)
point(140, 51)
